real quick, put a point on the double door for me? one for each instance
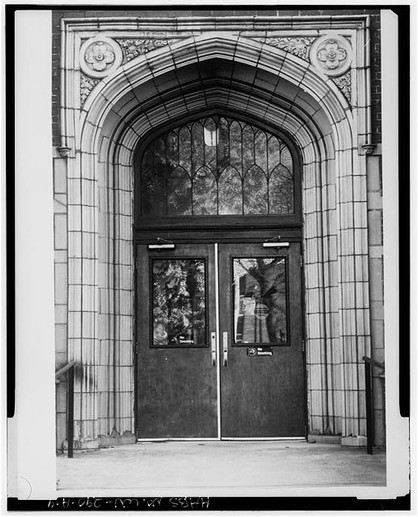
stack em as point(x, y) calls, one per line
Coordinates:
point(219, 341)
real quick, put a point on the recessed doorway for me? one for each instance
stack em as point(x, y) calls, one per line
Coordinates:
point(219, 328)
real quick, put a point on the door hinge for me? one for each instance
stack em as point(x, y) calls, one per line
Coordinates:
point(303, 345)
point(301, 260)
point(136, 348)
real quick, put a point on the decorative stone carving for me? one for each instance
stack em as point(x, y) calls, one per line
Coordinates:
point(331, 54)
point(369, 148)
point(64, 151)
point(86, 86)
point(296, 46)
point(133, 48)
point(99, 56)
point(344, 84)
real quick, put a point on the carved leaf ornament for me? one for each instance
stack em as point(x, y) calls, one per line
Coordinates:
point(331, 54)
point(296, 46)
point(133, 48)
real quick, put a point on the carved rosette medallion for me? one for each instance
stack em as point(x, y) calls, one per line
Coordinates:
point(331, 55)
point(133, 48)
point(99, 56)
point(296, 46)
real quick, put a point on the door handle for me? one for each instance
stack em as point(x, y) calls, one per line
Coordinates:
point(213, 345)
point(225, 348)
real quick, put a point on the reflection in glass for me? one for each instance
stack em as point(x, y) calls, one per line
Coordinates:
point(230, 193)
point(255, 192)
point(178, 302)
point(179, 193)
point(280, 194)
point(260, 306)
point(204, 193)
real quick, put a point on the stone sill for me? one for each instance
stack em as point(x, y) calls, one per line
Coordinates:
point(354, 441)
point(347, 441)
point(324, 438)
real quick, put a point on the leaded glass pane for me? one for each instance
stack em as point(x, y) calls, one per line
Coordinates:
point(204, 193)
point(260, 301)
point(255, 192)
point(153, 184)
point(185, 154)
point(172, 146)
point(286, 158)
point(224, 145)
point(248, 148)
point(217, 166)
point(281, 191)
point(198, 150)
point(230, 193)
point(178, 302)
point(260, 153)
point(235, 139)
point(273, 153)
point(179, 193)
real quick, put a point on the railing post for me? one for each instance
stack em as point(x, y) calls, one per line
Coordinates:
point(70, 422)
point(369, 408)
point(368, 363)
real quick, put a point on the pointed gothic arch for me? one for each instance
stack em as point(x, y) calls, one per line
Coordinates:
point(154, 90)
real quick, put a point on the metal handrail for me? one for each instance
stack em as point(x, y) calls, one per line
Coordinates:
point(68, 370)
point(368, 363)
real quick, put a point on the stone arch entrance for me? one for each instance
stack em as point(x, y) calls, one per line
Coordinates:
point(249, 77)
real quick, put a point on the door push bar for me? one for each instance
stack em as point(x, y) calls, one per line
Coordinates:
point(213, 344)
point(225, 348)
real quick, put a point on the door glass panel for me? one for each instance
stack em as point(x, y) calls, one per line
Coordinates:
point(178, 302)
point(260, 301)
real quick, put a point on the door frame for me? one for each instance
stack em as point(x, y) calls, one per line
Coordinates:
point(145, 236)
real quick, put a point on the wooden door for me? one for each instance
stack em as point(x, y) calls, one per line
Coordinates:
point(262, 374)
point(176, 363)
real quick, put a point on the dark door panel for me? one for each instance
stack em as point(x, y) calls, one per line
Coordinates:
point(177, 383)
point(262, 384)
point(260, 372)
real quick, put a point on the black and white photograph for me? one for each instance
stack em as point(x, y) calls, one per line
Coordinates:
point(207, 255)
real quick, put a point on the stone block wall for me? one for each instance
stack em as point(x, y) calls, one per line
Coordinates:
point(61, 288)
point(376, 258)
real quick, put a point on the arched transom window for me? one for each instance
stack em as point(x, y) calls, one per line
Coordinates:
point(217, 166)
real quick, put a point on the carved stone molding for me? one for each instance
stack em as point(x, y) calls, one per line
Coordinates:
point(86, 86)
point(99, 56)
point(331, 54)
point(133, 48)
point(344, 84)
point(297, 46)
point(64, 151)
point(368, 148)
